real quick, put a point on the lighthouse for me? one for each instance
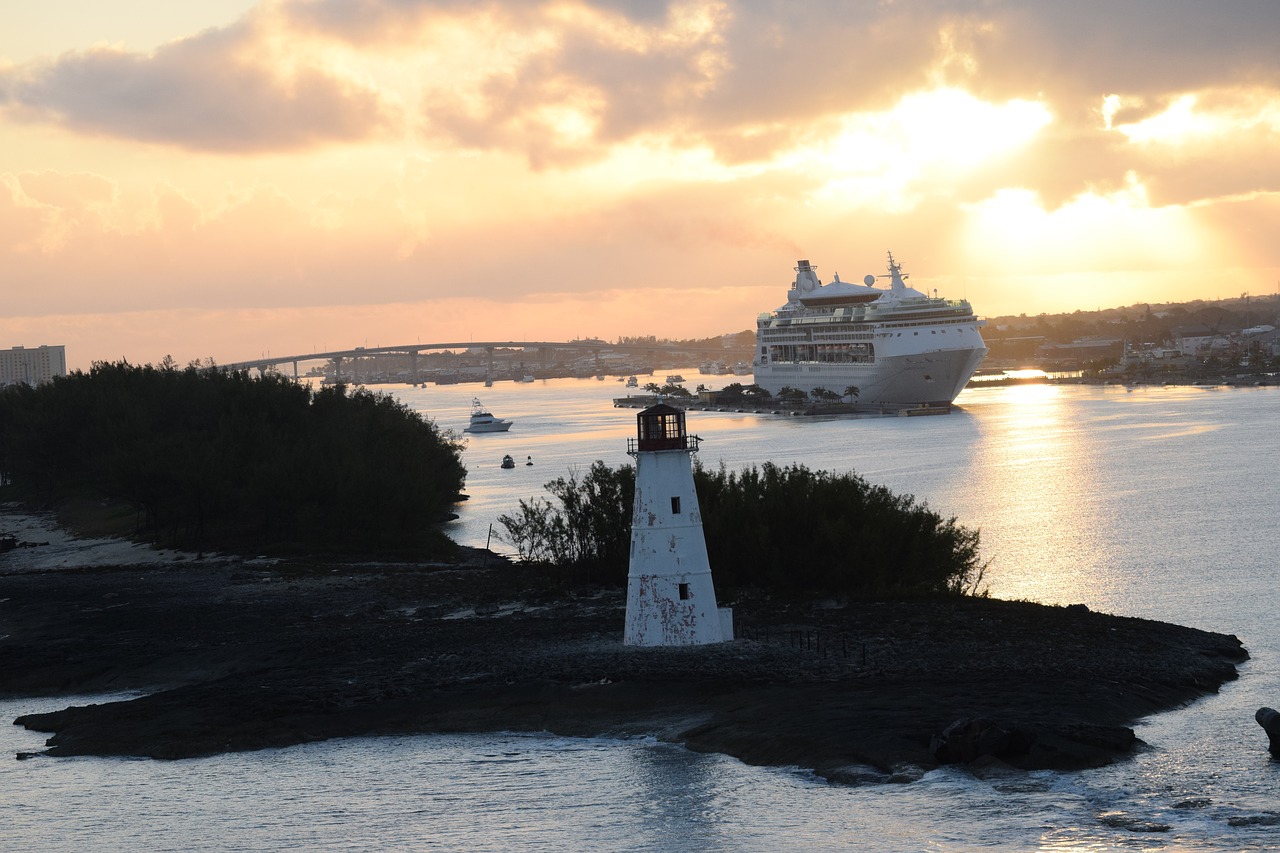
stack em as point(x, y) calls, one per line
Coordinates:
point(670, 597)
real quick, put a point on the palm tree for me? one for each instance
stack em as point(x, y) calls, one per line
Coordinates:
point(786, 392)
point(822, 394)
point(851, 391)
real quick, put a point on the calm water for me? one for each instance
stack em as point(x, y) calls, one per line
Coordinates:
point(1160, 503)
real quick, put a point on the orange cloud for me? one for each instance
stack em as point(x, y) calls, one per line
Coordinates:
point(216, 91)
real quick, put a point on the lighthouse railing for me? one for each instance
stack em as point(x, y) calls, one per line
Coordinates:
point(672, 442)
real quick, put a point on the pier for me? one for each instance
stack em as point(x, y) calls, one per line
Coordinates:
point(773, 406)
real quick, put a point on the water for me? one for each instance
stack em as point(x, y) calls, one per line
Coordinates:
point(1159, 503)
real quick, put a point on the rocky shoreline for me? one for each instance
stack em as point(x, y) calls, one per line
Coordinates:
point(242, 655)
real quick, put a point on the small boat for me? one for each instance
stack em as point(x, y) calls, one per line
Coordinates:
point(508, 462)
point(675, 379)
point(525, 378)
point(482, 420)
point(632, 382)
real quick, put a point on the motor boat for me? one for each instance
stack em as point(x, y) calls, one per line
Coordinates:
point(482, 420)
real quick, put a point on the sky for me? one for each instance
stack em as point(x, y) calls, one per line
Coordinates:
point(236, 179)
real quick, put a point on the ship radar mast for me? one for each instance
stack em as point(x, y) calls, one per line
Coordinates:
point(897, 279)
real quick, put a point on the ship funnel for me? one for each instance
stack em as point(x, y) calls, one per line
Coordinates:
point(806, 277)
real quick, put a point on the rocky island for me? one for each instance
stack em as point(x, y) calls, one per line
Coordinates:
point(230, 654)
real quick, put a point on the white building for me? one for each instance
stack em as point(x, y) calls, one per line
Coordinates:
point(32, 366)
point(670, 597)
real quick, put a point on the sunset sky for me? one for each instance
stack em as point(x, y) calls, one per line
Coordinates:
point(234, 179)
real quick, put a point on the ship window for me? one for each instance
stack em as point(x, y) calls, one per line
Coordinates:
point(675, 505)
point(684, 592)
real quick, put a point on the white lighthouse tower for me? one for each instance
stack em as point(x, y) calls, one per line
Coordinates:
point(670, 598)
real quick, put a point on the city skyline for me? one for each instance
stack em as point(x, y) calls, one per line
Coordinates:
point(229, 179)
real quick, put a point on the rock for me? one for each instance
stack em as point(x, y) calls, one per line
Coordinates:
point(231, 657)
point(1269, 719)
point(968, 739)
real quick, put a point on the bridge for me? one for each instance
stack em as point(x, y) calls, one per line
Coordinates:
point(592, 347)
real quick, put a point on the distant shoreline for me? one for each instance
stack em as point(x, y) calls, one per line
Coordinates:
point(241, 655)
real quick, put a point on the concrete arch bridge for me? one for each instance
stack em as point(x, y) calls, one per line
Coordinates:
point(447, 361)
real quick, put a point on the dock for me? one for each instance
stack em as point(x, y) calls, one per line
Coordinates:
point(780, 408)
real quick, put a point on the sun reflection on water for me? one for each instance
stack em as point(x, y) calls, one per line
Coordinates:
point(1041, 463)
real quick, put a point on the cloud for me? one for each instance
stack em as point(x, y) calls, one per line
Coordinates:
point(222, 91)
point(24, 222)
point(544, 152)
point(69, 191)
point(581, 80)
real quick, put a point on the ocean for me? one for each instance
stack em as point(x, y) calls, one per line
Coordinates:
point(1160, 503)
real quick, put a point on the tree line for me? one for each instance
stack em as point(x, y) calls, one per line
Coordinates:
point(782, 529)
point(213, 458)
point(736, 392)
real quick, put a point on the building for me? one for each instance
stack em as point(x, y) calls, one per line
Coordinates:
point(1081, 352)
point(32, 366)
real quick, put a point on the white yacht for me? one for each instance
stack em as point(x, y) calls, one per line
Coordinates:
point(482, 420)
point(896, 346)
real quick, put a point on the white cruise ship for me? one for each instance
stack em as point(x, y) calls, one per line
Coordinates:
point(896, 346)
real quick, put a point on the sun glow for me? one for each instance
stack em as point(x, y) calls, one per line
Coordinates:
point(1175, 124)
point(878, 156)
point(1115, 228)
point(1204, 117)
point(953, 128)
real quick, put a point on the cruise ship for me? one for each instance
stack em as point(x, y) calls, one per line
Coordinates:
point(896, 346)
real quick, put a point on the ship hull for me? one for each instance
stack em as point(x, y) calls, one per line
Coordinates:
point(921, 378)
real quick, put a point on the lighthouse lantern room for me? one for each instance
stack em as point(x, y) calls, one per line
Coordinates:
point(670, 597)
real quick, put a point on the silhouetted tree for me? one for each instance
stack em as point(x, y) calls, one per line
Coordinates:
point(212, 458)
point(784, 529)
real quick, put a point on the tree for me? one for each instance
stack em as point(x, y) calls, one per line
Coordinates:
point(791, 395)
point(785, 530)
point(213, 458)
point(823, 395)
point(589, 526)
point(851, 391)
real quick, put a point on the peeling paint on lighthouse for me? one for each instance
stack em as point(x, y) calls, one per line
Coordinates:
point(670, 597)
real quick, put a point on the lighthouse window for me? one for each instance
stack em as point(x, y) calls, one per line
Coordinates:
point(684, 592)
point(675, 505)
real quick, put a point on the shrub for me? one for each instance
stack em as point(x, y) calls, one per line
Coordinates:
point(782, 529)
